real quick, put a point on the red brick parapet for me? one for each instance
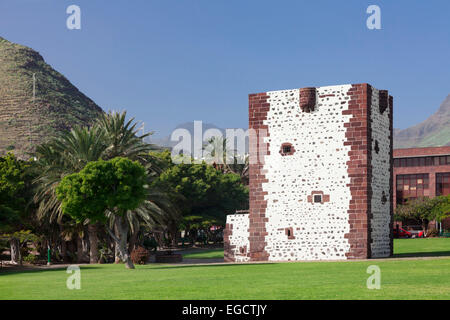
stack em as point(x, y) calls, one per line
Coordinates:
point(307, 99)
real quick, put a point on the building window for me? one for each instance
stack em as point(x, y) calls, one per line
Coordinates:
point(383, 198)
point(317, 198)
point(376, 148)
point(396, 163)
point(442, 184)
point(422, 161)
point(411, 186)
point(289, 233)
point(287, 149)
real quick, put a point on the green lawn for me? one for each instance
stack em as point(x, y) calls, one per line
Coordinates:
point(428, 247)
point(400, 279)
point(422, 247)
point(206, 254)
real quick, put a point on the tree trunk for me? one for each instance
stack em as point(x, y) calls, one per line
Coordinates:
point(15, 251)
point(64, 251)
point(133, 240)
point(63, 245)
point(117, 256)
point(93, 243)
point(86, 250)
point(122, 227)
point(80, 256)
point(173, 231)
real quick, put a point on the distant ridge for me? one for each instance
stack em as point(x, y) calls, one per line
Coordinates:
point(58, 106)
point(189, 126)
point(433, 132)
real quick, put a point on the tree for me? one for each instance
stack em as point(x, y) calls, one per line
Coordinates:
point(440, 208)
point(122, 140)
point(112, 136)
point(201, 190)
point(114, 187)
point(241, 167)
point(217, 153)
point(19, 240)
point(424, 210)
point(15, 181)
point(59, 157)
point(225, 159)
point(12, 184)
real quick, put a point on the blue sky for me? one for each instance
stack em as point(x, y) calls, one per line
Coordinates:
point(168, 62)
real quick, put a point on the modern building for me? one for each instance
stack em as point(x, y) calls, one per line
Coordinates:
point(320, 176)
point(422, 172)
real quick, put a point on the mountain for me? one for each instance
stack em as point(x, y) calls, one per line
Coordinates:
point(433, 132)
point(58, 105)
point(189, 126)
point(239, 142)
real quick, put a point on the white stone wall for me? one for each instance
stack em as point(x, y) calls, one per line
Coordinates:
point(380, 222)
point(318, 164)
point(239, 235)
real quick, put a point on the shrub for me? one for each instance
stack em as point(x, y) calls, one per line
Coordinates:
point(106, 255)
point(150, 244)
point(139, 255)
point(31, 258)
point(432, 233)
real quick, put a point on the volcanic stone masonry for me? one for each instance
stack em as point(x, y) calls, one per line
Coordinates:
point(322, 189)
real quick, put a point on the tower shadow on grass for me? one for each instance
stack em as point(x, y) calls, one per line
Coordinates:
point(422, 254)
point(15, 270)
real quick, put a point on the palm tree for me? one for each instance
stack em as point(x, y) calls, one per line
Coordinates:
point(218, 153)
point(62, 156)
point(156, 211)
point(240, 166)
point(225, 159)
point(112, 136)
point(121, 137)
point(122, 140)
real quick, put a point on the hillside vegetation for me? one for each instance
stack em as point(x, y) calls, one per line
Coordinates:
point(58, 105)
point(433, 132)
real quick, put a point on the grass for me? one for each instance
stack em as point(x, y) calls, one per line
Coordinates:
point(400, 279)
point(427, 247)
point(206, 254)
point(419, 247)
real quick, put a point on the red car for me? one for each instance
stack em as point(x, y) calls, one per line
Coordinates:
point(416, 231)
point(402, 233)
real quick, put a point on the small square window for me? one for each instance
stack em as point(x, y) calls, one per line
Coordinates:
point(287, 149)
point(289, 233)
point(317, 198)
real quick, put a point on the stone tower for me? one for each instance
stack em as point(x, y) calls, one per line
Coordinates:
point(320, 176)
